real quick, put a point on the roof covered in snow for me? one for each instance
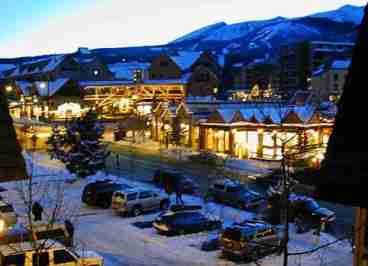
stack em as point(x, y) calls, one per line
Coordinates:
point(319, 71)
point(185, 59)
point(4, 67)
point(41, 65)
point(226, 114)
point(277, 114)
point(43, 88)
point(341, 64)
point(127, 70)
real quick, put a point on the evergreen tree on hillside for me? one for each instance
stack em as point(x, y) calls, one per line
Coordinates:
point(79, 146)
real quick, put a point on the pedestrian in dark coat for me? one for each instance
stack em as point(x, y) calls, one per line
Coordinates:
point(70, 228)
point(37, 211)
point(179, 191)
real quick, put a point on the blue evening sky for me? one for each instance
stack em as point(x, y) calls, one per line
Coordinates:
point(30, 27)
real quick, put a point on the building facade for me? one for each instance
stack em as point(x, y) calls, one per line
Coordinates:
point(297, 62)
point(328, 81)
point(251, 130)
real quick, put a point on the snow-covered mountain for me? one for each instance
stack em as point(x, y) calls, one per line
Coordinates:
point(264, 37)
point(347, 13)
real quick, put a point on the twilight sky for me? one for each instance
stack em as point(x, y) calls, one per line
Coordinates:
point(31, 27)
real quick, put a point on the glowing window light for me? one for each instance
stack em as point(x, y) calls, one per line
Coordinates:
point(73, 109)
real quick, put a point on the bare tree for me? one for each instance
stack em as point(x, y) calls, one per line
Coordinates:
point(49, 192)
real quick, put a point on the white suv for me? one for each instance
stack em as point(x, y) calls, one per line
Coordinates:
point(135, 201)
point(54, 254)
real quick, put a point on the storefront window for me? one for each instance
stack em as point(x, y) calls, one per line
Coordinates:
point(252, 142)
point(268, 139)
point(291, 139)
point(209, 138)
point(313, 137)
point(220, 140)
point(227, 141)
point(268, 153)
point(325, 139)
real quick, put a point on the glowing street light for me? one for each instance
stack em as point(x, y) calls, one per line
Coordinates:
point(8, 88)
point(43, 85)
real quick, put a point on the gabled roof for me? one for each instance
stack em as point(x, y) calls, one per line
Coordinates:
point(42, 65)
point(126, 70)
point(268, 114)
point(84, 59)
point(43, 88)
point(185, 59)
point(5, 68)
point(50, 88)
point(227, 114)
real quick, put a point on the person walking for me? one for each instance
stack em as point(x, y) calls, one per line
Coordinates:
point(70, 228)
point(37, 211)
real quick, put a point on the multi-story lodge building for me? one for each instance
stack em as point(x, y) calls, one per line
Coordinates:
point(45, 83)
point(297, 62)
point(168, 78)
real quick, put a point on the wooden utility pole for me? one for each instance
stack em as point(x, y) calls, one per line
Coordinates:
point(359, 236)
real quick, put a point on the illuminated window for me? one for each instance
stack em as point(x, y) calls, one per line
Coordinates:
point(253, 142)
point(268, 139)
point(325, 139)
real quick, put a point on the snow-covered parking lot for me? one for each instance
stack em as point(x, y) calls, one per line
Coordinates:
point(123, 243)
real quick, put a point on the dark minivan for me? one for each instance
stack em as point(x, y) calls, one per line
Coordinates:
point(99, 193)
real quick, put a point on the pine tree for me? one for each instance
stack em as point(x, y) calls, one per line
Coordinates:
point(79, 146)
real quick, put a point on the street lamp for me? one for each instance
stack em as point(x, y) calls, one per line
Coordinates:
point(8, 88)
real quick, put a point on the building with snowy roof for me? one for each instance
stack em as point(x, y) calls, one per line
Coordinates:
point(244, 129)
point(328, 80)
point(202, 71)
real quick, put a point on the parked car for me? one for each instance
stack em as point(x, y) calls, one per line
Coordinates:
point(206, 157)
point(136, 201)
point(309, 212)
point(270, 179)
point(99, 193)
point(235, 194)
point(56, 231)
point(185, 221)
point(250, 240)
point(53, 253)
point(186, 184)
point(304, 210)
point(8, 217)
